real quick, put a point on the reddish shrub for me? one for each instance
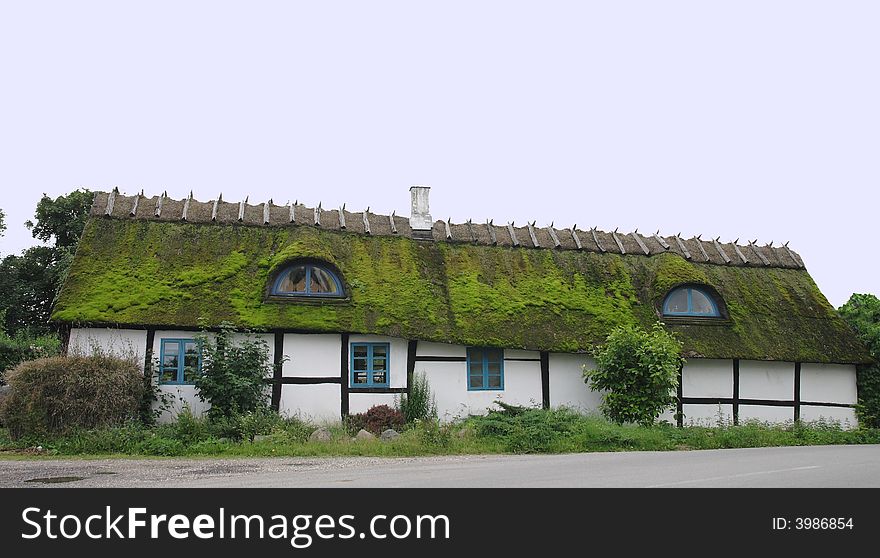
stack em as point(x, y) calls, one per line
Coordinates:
point(377, 419)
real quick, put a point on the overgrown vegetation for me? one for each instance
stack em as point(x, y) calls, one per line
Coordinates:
point(507, 430)
point(862, 312)
point(23, 346)
point(377, 419)
point(637, 371)
point(233, 374)
point(420, 403)
point(59, 394)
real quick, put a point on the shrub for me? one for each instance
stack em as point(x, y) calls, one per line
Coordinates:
point(419, 403)
point(638, 370)
point(233, 374)
point(377, 419)
point(56, 394)
point(862, 312)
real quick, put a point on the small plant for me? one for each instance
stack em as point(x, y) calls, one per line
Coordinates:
point(638, 371)
point(419, 403)
point(233, 374)
point(377, 419)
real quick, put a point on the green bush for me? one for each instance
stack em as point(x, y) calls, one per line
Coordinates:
point(638, 371)
point(22, 347)
point(419, 403)
point(57, 394)
point(233, 374)
point(862, 312)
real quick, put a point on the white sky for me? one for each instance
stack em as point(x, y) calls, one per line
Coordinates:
point(749, 119)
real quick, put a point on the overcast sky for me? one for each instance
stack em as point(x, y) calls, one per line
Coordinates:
point(740, 119)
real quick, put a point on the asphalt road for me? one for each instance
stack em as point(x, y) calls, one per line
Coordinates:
point(816, 466)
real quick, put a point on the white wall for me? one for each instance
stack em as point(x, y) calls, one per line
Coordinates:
point(425, 348)
point(178, 397)
point(120, 342)
point(319, 403)
point(361, 402)
point(707, 378)
point(760, 379)
point(828, 383)
point(314, 355)
point(765, 413)
point(706, 415)
point(846, 416)
point(567, 387)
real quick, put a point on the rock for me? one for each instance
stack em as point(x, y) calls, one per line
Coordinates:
point(364, 435)
point(464, 433)
point(389, 435)
point(321, 435)
point(262, 438)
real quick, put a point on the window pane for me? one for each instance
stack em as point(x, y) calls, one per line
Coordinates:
point(476, 368)
point(494, 381)
point(360, 377)
point(476, 381)
point(495, 368)
point(474, 354)
point(360, 364)
point(322, 282)
point(190, 373)
point(360, 351)
point(701, 303)
point(379, 364)
point(494, 355)
point(677, 302)
point(380, 350)
point(379, 377)
point(168, 375)
point(170, 361)
point(294, 281)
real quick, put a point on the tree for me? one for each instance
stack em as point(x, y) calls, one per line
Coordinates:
point(29, 282)
point(61, 220)
point(862, 312)
point(2, 222)
point(638, 371)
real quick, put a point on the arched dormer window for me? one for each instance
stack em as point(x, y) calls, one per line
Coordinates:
point(308, 279)
point(690, 301)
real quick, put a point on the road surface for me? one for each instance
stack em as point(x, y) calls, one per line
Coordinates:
point(815, 466)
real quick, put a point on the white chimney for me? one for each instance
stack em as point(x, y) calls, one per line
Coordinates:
point(420, 218)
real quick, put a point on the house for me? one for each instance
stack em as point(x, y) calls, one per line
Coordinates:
point(352, 304)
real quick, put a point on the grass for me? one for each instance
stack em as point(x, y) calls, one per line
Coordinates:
point(511, 430)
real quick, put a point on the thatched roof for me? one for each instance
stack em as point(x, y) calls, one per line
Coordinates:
point(139, 266)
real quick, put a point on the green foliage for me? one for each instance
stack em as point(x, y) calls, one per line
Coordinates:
point(420, 403)
point(2, 222)
point(233, 373)
point(638, 371)
point(23, 346)
point(862, 312)
point(61, 220)
point(29, 283)
point(57, 394)
point(377, 419)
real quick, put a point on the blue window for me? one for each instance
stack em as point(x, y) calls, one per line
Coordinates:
point(369, 365)
point(690, 301)
point(180, 361)
point(485, 368)
point(308, 279)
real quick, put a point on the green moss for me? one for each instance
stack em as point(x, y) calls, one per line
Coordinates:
point(150, 273)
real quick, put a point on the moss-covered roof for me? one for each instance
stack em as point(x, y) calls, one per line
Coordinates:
point(172, 273)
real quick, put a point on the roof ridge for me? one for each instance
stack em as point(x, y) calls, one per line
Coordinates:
point(189, 210)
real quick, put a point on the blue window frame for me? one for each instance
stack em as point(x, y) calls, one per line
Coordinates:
point(485, 368)
point(690, 301)
point(369, 364)
point(308, 280)
point(180, 361)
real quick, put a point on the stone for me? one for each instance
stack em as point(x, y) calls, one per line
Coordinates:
point(321, 435)
point(389, 435)
point(364, 435)
point(262, 438)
